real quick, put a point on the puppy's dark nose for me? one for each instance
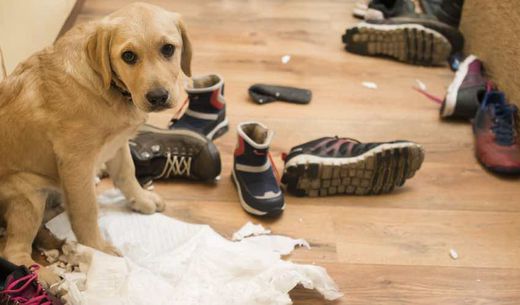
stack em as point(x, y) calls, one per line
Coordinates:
point(157, 97)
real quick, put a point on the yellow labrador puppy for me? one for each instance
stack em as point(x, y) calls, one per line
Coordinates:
point(73, 106)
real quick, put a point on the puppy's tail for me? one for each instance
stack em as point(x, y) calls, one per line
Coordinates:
point(3, 72)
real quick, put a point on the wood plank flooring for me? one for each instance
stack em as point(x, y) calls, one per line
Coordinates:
point(391, 249)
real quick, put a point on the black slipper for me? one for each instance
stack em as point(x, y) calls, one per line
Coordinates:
point(262, 94)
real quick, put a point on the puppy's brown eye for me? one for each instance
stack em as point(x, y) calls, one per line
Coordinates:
point(167, 50)
point(129, 57)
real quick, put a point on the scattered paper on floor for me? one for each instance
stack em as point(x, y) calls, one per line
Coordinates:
point(248, 230)
point(369, 85)
point(421, 85)
point(454, 254)
point(286, 59)
point(167, 261)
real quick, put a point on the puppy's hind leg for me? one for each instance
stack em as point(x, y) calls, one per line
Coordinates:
point(53, 207)
point(23, 214)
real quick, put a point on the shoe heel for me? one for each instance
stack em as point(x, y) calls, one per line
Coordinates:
point(220, 132)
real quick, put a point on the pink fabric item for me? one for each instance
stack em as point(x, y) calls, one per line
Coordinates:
point(30, 292)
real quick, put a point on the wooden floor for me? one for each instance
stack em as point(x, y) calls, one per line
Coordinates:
point(391, 249)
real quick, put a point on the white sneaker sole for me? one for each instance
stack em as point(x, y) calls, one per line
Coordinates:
point(453, 88)
point(219, 130)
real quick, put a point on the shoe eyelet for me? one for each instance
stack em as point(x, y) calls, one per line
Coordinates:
point(146, 155)
point(156, 148)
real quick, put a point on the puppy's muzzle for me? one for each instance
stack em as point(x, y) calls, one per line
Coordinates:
point(158, 98)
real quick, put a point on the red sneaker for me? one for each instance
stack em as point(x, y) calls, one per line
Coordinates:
point(19, 286)
point(495, 127)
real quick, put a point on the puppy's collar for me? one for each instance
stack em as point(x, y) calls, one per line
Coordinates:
point(123, 92)
point(122, 89)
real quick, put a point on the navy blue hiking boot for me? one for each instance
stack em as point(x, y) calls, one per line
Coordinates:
point(253, 172)
point(206, 113)
point(331, 165)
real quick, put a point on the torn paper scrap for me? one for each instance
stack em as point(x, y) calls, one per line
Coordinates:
point(280, 244)
point(369, 85)
point(454, 254)
point(188, 264)
point(420, 85)
point(250, 229)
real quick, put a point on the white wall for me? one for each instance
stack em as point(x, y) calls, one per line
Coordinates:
point(27, 26)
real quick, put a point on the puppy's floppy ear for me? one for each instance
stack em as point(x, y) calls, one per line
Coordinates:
point(98, 54)
point(186, 48)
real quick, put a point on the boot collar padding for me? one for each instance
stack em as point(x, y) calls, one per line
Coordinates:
point(255, 134)
point(204, 83)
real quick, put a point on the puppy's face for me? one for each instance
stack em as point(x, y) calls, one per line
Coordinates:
point(142, 49)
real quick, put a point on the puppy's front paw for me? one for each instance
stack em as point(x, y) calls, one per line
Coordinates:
point(147, 203)
point(108, 248)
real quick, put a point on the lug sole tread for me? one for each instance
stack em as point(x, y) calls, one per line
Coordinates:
point(376, 173)
point(411, 45)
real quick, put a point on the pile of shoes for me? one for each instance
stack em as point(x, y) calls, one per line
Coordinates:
point(322, 167)
point(186, 149)
point(393, 29)
point(471, 96)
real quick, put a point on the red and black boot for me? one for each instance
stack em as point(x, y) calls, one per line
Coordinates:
point(206, 112)
point(254, 173)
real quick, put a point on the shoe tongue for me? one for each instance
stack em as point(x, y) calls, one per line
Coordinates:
point(475, 67)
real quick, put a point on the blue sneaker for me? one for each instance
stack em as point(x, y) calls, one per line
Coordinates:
point(206, 113)
point(253, 172)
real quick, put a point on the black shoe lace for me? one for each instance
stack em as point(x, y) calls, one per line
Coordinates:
point(504, 124)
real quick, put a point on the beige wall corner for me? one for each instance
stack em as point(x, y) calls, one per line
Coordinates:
point(27, 26)
point(492, 32)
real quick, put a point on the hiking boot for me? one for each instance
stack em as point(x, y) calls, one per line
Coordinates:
point(463, 94)
point(206, 113)
point(254, 173)
point(161, 154)
point(414, 39)
point(382, 9)
point(332, 165)
point(496, 131)
point(19, 286)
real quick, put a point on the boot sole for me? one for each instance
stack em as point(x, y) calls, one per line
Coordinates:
point(249, 208)
point(377, 171)
point(219, 130)
point(410, 43)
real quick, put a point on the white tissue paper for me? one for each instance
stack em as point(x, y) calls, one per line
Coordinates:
point(248, 230)
point(167, 261)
